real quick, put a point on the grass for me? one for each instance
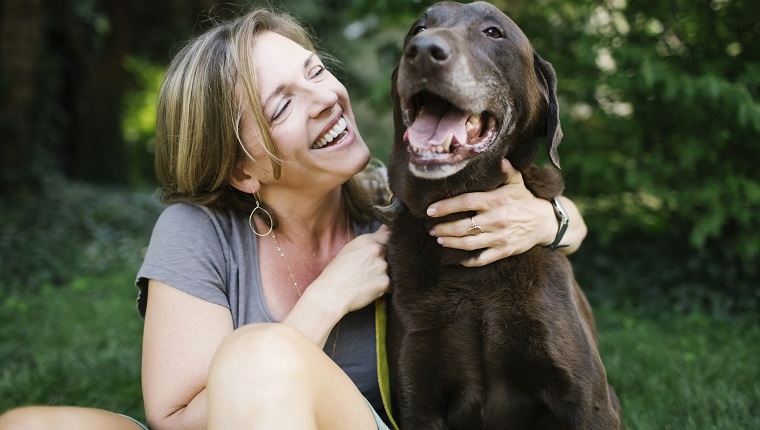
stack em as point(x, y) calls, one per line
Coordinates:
point(80, 345)
point(680, 371)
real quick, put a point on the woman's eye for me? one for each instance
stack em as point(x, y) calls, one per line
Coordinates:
point(493, 32)
point(280, 110)
point(316, 71)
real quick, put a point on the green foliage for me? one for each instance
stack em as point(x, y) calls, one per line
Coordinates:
point(660, 116)
point(72, 230)
point(139, 120)
point(651, 272)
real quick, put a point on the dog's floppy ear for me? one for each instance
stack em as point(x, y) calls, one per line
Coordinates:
point(547, 80)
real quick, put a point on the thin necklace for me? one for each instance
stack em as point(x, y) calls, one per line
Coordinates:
point(295, 283)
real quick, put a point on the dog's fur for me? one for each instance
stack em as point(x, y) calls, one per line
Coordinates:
point(511, 345)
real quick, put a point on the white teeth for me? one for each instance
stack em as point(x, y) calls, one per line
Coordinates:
point(444, 147)
point(337, 130)
point(447, 143)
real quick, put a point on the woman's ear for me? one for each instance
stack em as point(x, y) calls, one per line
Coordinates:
point(242, 178)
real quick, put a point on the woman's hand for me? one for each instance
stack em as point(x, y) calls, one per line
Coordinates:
point(511, 219)
point(352, 280)
point(359, 273)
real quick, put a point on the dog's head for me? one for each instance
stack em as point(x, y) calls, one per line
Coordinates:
point(470, 86)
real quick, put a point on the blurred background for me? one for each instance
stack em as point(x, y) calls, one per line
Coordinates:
point(660, 108)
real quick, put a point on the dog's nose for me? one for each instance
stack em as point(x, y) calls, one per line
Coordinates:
point(428, 50)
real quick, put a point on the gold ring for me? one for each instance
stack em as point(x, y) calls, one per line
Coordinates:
point(475, 229)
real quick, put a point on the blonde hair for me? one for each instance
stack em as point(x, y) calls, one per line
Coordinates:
point(200, 105)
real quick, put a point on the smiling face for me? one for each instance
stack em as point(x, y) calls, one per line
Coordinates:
point(308, 113)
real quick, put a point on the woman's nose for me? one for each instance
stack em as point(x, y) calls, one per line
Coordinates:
point(323, 101)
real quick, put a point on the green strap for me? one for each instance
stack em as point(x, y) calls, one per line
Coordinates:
point(382, 360)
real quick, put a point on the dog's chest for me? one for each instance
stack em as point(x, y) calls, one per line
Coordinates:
point(431, 290)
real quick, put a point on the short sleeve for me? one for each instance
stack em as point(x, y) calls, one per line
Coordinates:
point(187, 252)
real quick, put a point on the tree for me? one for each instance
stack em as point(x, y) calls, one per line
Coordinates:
point(19, 49)
point(64, 78)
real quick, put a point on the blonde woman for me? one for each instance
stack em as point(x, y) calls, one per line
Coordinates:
point(259, 275)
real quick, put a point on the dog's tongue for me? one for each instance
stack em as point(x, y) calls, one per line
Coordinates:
point(434, 124)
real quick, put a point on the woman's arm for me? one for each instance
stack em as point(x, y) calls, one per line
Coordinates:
point(181, 335)
point(512, 221)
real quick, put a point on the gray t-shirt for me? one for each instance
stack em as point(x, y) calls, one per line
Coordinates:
point(213, 255)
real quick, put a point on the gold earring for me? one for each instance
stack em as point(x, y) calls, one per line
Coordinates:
point(250, 218)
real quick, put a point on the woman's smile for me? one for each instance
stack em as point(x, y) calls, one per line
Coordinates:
point(333, 135)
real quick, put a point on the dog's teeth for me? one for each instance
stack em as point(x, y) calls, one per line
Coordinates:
point(446, 146)
point(472, 122)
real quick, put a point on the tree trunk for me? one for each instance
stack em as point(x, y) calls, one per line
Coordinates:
point(20, 39)
point(99, 154)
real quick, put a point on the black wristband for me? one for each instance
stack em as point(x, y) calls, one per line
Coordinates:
point(563, 221)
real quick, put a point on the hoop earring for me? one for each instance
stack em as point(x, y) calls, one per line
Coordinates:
point(250, 218)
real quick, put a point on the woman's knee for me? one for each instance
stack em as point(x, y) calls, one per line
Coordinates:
point(20, 418)
point(63, 417)
point(262, 351)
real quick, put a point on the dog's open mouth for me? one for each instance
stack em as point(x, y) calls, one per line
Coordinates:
point(444, 134)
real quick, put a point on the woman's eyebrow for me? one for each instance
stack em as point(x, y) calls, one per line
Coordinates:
point(280, 88)
point(309, 60)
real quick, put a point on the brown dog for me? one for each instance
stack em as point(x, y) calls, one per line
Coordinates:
point(511, 345)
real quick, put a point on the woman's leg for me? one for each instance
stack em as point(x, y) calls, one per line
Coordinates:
point(272, 376)
point(64, 417)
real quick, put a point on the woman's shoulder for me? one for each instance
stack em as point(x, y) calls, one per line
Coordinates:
point(193, 213)
point(185, 211)
point(186, 218)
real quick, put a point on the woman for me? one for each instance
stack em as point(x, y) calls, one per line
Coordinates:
point(257, 283)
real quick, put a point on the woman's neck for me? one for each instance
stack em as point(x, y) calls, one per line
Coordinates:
point(309, 220)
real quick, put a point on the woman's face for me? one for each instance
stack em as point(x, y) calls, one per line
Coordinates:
point(309, 114)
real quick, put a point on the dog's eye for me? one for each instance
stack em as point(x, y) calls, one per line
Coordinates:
point(417, 30)
point(493, 32)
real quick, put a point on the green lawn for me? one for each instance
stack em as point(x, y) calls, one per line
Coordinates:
point(683, 371)
point(80, 344)
point(73, 345)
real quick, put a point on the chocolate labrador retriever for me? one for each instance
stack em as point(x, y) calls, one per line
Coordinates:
point(511, 345)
